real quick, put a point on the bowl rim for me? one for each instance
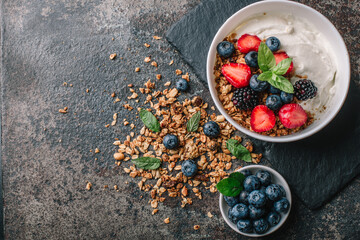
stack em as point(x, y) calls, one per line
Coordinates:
point(275, 174)
point(292, 137)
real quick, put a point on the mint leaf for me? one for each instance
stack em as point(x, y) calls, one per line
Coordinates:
point(193, 123)
point(238, 150)
point(231, 186)
point(266, 59)
point(282, 67)
point(265, 76)
point(149, 120)
point(238, 176)
point(281, 83)
point(147, 163)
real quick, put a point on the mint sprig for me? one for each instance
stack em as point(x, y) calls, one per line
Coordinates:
point(231, 186)
point(272, 72)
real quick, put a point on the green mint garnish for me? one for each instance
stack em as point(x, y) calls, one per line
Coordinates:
point(272, 72)
point(149, 120)
point(238, 150)
point(147, 163)
point(193, 123)
point(231, 186)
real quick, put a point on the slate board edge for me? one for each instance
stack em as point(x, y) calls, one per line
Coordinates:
point(2, 226)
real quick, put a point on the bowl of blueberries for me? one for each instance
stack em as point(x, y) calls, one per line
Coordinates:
point(262, 206)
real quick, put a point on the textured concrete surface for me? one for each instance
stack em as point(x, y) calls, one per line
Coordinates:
point(46, 155)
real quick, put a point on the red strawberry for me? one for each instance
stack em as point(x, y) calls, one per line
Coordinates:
point(238, 74)
point(247, 43)
point(262, 119)
point(292, 115)
point(279, 56)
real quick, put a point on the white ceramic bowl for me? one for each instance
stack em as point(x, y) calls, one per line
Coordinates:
point(276, 178)
point(324, 26)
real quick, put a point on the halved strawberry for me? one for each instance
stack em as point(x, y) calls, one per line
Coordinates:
point(262, 119)
point(279, 56)
point(247, 43)
point(292, 115)
point(237, 74)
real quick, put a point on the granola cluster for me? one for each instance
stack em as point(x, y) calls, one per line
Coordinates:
point(225, 92)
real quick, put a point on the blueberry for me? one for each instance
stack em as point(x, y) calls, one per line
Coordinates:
point(211, 129)
point(251, 183)
point(244, 225)
point(171, 141)
point(282, 206)
point(258, 85)
point(239, 211)
point(189, 168)
point(182, 85)
point(273, 43)
point(246, 172)
point(273, 102)
point(257, 198)
point(273, 218)
point(274, 90)
point(255, 213)
point(264, 177)
point(286, 97)
point(243, 197)
point(251, 59)
point(225, 49)
point(260, 226)
point(263, 190)
point(231, 201)
point(274, 192)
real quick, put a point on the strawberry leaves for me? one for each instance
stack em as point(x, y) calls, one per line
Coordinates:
point(272, 72)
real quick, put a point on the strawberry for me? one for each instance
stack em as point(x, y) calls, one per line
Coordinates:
point(237, 74)
point(247, 43)
point(279, 56)
point(262, 119)
point(292, 115)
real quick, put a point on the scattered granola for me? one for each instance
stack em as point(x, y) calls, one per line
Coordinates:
point(137, 69)
point(147, 59)
point(88, 186)
point(147, 45)
point(167, 220)
point(157, 37)
point(64, 110)
point(171, 62)
point(112, 56)
point(97, 150)
point(178, 72)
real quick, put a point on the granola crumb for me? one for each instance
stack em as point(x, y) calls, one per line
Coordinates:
point(112, 56)
point(106, 186)
point(196, 227)
point(107, 125)
point(209, 215)
point(178, 72)
point(153, 63)
point(130, 85)
point(158, 76)
point(171, 62)
point(119, 156)
point(167, 220)
point(64, 110)
point(147, 45)
point(137, 69)
point(97, 150)
point(113, 95)
point(88, 186)
point(167, 84)
point(113, 123)
point(157, 37)
point(154, 211)
point(186, 77)
point(147, 59)
point(116, 187)
point(87, 90)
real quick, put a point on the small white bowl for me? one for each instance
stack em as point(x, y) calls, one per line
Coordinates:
point(276, 178)
point(323, 25)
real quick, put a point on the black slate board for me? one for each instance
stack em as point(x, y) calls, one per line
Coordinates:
point(317, 167)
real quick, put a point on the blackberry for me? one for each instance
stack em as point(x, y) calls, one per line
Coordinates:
point(245, 98)
point(305, 89)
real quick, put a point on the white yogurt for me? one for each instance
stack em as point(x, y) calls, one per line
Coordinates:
point(311, 52)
